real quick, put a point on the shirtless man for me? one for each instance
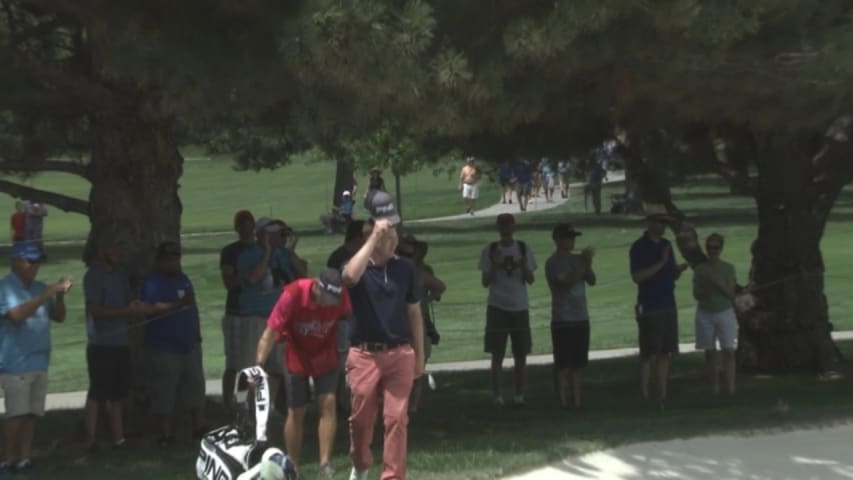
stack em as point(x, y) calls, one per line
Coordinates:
point(469, 179)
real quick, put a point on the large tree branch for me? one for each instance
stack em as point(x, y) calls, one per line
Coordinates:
point(64, 166)
point(62, 202)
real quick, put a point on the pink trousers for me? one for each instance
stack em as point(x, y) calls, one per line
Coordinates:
point(388, 373)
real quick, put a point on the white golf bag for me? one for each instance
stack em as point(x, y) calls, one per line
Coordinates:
point(232, 452)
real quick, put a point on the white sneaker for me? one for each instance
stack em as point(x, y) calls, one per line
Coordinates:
point(358, 474)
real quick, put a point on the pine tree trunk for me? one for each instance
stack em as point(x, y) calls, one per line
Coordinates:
point(789, 328)
point(135, 169)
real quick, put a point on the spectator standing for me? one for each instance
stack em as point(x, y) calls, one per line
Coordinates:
point(568, 274)
point(374, 184)
point(507, 268)
point(387, 339)
point(173, 343)
point(305, 319)
point(353, 240)
point(469, 184)
point(35, 223)
point(595, 178)
point(26, 308)
point(714, 288)
point(433, 288)
point(19, 222)
point(523, 183)
point(506, 178)
point(654, 271)
point(244, 225)
point(262, 269)
point(110, 306)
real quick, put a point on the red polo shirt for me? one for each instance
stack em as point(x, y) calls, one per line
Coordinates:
point(307, 328)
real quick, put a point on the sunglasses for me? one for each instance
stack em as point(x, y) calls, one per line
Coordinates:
point(714, 247)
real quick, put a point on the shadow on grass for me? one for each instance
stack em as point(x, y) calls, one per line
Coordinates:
point(459, 433)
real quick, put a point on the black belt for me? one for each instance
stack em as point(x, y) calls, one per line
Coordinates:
point(377, 346)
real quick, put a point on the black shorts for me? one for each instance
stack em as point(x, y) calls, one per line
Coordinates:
point(501, 324)
point(109, 372)
point(658, 332)
point(570, 342)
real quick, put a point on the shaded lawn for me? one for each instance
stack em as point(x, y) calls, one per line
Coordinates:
point(459, 434)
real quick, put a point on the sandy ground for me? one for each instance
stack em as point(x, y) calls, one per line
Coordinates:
point(819, 454)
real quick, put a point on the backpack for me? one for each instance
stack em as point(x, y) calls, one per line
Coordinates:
point(232, 452)
point(522, 247)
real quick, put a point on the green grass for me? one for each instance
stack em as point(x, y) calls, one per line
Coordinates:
point(211, 192)
point(459, 434)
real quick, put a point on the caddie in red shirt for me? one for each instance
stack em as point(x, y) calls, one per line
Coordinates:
point(305, 318)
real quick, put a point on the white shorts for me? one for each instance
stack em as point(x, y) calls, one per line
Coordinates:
point(470, 191)
point(25, 393)
point(711, 327)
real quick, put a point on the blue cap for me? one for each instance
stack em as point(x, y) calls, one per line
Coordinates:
point(28, 251)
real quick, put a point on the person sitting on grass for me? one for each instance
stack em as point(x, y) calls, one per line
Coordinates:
point(568, 274)
point(340, 216)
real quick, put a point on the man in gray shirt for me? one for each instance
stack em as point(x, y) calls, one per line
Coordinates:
point(568, 274)
point(507, 268)
point(109, 306)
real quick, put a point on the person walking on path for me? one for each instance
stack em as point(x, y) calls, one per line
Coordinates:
point(654, 271)
point(523, 183)
point(714, 288)
point(506, 176)
point(568, 274)
point(507, 268)
point(469, 184)
point(305, 319)
point(27, 307)
point(387, 342)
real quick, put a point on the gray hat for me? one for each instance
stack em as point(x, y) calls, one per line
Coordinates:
point(331, 286)
point(381, 205)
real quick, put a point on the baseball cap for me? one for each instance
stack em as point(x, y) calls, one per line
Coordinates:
point(381, 205)
point(505, 219)
point(331, 286)
point(346, 193)
point(565, 230)
point(168, 249)
point(28, 251)
point(242, 216)
point(269, 225)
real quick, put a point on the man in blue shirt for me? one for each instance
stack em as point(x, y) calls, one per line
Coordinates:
point(523, 183)
point(654, 271)
point(387, 341)
point(26, 308)
point(173, 342)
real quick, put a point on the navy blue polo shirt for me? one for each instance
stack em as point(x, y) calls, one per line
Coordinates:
point(380, 303)
point(658, 292)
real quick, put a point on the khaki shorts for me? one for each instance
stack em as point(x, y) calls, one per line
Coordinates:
point(25, 393)
point(176, 379)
